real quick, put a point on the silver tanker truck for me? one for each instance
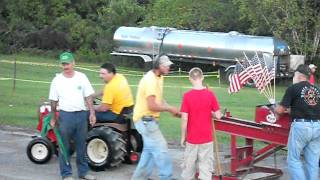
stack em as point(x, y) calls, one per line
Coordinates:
point(214, 48)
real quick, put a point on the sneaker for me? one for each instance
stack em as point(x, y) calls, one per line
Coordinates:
point(68, 178)
point(88, 177)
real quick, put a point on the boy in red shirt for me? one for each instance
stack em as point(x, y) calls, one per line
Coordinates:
point(198, 106)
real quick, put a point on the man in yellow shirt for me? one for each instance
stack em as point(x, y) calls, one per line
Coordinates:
point(116, 94)
point(146, 114)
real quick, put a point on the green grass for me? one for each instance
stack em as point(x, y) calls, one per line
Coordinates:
point(20, 107)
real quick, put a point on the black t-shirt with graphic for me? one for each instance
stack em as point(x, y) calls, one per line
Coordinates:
point(304, 101)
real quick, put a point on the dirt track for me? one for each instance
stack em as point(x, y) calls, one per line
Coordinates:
point(16, 166)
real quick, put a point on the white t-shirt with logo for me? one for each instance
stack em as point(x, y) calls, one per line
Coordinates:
point(70, 92)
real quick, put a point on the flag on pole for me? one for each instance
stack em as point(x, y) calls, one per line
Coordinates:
point(256, 65)
point(234, 79)
point(262, 81)
point(272, 75)
point(245, 73)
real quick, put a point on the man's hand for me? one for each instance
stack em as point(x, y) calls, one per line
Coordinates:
point(174, 111)
point(92, 119)
point(183, 142)
point(53, 122)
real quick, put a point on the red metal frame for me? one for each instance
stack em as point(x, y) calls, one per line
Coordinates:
point(244, 158)
point(51, 135)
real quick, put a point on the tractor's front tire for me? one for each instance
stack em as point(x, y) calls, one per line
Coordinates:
point(105, 148)
point(40, 150)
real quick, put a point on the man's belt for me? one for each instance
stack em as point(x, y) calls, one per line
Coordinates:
point(306, 120)
point(148, 118)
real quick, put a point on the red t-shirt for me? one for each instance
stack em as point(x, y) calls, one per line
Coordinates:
point(199, 104)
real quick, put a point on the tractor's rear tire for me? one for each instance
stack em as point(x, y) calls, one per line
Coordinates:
point(136, 145)
point(105, 148)
point(136, 141)
point(40, 150)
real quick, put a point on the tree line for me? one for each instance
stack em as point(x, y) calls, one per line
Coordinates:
point(86, 27)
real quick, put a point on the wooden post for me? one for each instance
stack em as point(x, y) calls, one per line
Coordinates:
point(216, 151)
point(14, 74)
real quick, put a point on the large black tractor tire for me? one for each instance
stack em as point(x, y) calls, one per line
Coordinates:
point(136, 145)
point(105, 148)
point(136, 141)
point(40, 150)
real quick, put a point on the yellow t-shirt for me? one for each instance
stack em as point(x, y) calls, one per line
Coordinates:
point(117, 93)
point(150, 84)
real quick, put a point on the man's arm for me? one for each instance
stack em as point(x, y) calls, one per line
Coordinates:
point(103, 107)
point(184, 122)
point(54, 117)
point(285, 103)
point(92, 117)
point(217, 115)
point(154, 106)
point(280, 110)
point(97, 94)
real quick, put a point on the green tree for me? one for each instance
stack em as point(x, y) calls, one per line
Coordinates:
point(210, 15)
point(117, 13)
point(296, 21)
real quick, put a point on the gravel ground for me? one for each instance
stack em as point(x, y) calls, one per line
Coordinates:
point(15, 164)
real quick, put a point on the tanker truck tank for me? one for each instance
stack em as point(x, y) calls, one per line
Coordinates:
point(215, 48)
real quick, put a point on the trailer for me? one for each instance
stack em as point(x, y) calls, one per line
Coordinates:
point(213, 48)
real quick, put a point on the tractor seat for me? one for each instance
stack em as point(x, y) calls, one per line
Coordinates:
point(122, 118)
point(125, 115)
point(122, 123)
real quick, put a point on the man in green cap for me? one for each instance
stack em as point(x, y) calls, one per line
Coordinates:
point(73, 91)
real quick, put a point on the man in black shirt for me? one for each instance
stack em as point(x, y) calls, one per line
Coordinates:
point(303, 100)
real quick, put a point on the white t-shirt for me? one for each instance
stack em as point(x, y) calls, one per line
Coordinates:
point(70, 92)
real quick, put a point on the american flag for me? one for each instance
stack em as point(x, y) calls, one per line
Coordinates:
point(234, 79)
point(272, 75)
point(256, 65)
point(245, 74)
point(262, 81)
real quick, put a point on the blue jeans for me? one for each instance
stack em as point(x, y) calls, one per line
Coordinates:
point(304, 138)
point(107, 116)
point(74, 125)
point(155, 152)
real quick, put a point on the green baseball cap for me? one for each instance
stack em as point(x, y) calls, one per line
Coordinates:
point(66, 57)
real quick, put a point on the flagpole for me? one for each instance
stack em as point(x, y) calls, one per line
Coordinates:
point(274, 80)
point(269, 89)
point(268, 85)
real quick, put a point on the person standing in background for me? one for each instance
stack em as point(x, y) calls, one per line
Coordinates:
point(312, 78)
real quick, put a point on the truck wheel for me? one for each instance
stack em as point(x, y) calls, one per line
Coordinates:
point(251, 84)
point(105, 148)
point(228, 74)
point(40, 150)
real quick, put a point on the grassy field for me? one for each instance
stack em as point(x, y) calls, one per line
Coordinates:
point(19, 108)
